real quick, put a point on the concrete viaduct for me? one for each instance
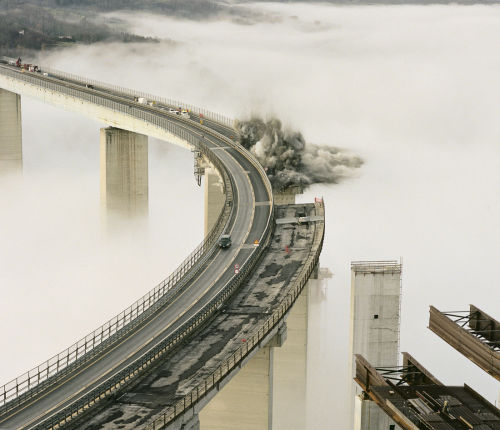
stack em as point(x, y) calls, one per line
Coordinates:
point(160, 362)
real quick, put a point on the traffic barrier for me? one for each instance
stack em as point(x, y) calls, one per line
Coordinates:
point(43, 376)
point(54, 369)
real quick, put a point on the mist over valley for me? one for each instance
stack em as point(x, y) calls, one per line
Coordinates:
point(409, 94)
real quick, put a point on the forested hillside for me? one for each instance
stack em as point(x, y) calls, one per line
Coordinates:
point(36, 25)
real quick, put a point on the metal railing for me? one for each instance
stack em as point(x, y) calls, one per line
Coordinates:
point(126, 376)
point(214, 116)
point(39, 378)
point(51, 370)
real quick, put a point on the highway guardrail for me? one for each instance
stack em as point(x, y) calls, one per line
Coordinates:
point(54, 369)
point(48, 371)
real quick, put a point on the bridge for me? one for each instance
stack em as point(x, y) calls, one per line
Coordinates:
point(101, 372)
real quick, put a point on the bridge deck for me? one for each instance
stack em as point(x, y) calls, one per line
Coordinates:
point(102, 375)
point(293, 246)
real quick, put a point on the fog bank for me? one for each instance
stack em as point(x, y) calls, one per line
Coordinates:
point(411, 90)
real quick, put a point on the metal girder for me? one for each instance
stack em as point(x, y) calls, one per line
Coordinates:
point(473, 333)
point(419, 375)
point(424, 403)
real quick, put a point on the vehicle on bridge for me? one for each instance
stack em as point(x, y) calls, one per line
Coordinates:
point(224, 241)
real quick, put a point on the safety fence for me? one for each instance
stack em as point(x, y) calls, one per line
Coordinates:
point(173, 103)
point(57, 367)
point(39, 378)
point(235, 359)
point(124, 377)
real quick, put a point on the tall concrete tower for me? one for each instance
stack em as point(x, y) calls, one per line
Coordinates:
point(375, 319)
point(11, 150)
point(124, 172)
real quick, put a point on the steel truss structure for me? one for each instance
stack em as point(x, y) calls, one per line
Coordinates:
point(415, 399)
point(473, 333)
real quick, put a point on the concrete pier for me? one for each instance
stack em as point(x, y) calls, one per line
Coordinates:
point(245, 403)
point(375, 319)
point(214, 197)
point(11, 151)
point(290, 370)
point(124, 172)
point(286, 196)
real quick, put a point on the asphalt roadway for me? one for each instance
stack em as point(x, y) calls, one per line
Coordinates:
point(249, 224)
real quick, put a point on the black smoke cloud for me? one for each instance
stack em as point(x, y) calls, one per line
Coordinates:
point(289, 160)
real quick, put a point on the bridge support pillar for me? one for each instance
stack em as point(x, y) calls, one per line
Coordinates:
point(245, 403)
point(11, 153)
point(315, 272)
point(270, 390)
point(286, 196)
point(214, 197)
point(290, 370)
point(124, 171)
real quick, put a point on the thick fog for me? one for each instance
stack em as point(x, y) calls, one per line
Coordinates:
point(413, 91)
point(65, 267)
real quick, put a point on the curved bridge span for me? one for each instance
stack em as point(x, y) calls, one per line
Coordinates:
point(107, 359)
point(115, 369)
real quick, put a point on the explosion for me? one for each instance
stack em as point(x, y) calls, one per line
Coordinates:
point(289, 161)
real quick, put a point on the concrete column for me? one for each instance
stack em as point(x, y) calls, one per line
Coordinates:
point(290, 370)
point(286, 196)
point(245, 403)
point(11, 151)
point(315, 272)
point(124, 172)
point(214, 197)
point(375, 318)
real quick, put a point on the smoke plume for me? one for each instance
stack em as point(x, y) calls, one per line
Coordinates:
point(289, 160)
